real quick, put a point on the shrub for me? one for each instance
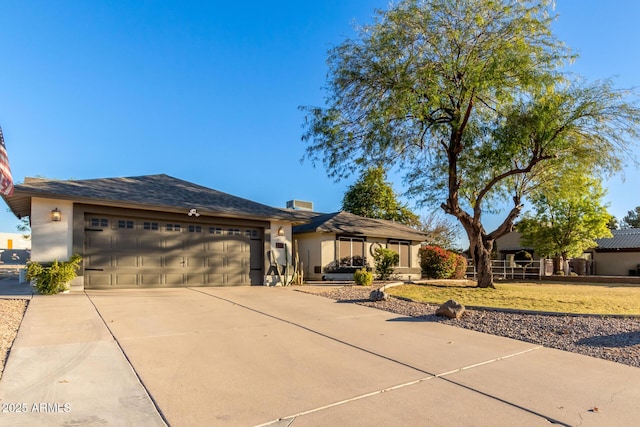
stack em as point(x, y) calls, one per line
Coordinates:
point(385, 260)
point(363, 277)
point(460, 267)
point(54, 278)
point(437, 263)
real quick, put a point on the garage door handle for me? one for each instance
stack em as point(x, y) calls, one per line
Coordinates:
point(94, 269)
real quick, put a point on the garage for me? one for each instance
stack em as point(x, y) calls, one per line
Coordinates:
point(128, 252)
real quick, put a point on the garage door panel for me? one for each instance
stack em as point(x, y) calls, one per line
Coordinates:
point(195, 279)
point(173, 279)
point(235, 246)
point(237, 279)
point(126, 261)
point(215, 245)
point(127, 242)
point(195, 262)
point(215, 279)
point(98, 279)
point(150, 279)
point(236, 264)
point(195, 246)
point(215, 262)
point(174, 261)
point(151, 242)
point(150, 261)
point(97, 261)
point(123, 279)
point(98, 239)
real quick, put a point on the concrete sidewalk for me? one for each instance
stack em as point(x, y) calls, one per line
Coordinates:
point(274, 356)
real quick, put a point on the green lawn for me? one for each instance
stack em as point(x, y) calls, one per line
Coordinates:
point(541, 296)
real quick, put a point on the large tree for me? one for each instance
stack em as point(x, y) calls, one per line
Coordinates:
point(470, 97)
point(371, 196)
point(568, 215)
point(632, 219)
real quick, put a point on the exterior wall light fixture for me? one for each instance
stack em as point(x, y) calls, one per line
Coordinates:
point(280, 231)
point(56, 215)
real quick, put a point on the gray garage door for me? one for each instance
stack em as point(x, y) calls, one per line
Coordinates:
point(133, 252)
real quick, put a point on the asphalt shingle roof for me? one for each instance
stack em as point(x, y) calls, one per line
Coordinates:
point(149, 191)
point(622, 239)
point(348, 223)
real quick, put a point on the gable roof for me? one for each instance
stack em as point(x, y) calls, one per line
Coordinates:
point(622, 239)
point(348, 223)
point(154, 192)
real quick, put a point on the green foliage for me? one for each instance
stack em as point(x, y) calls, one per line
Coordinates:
point(54, 278)
point(470, 99)
point(363, 277)
point(372, 197)
point(385, 260)
point(25, 227)
point(438, 263)
point(632, 219)
point(460, 267)
point(569, 215)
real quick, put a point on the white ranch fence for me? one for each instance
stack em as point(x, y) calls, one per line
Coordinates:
point(506, 269)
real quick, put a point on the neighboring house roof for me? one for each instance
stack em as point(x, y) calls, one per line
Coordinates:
point(155, 192)
point(622, 239)
point(348, 223)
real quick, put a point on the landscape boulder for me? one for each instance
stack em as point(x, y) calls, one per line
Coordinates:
point(451, 309)
point(378, 295)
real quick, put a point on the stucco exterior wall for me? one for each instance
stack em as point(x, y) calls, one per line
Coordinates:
point(309, 250)
point(616, 263)
point(51, 240)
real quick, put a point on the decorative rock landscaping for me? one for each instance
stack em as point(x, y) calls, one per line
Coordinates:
point(610, 338)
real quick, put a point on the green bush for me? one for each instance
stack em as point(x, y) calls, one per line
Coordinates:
point(460, 268)
point(437, 263)
point(363, 277)
point(385, 261)
point(54, 278)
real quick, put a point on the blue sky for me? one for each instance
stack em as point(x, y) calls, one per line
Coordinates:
point(208, 91)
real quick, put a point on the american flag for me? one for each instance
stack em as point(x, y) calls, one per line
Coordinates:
point(6, 182)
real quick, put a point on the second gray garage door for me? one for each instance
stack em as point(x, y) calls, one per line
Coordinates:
point(129, 252)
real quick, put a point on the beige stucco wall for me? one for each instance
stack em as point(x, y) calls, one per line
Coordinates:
point(309, 246)
point(51, 240)
point(315, 249)
point(616, 263)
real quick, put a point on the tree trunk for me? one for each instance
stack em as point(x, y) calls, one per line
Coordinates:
point(480, 249)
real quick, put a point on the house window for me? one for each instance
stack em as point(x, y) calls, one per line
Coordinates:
point(351, 252)
point(150, 226)
point(99, 222)
point(173, 227)
point(403, 249)
point(195, 229)
point(125, 224)
point(215, 230)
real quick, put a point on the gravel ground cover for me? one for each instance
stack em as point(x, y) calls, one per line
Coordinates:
point(11, 313)
point(610, 338)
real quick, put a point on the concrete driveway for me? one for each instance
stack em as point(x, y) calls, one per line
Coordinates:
point(253, 356)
